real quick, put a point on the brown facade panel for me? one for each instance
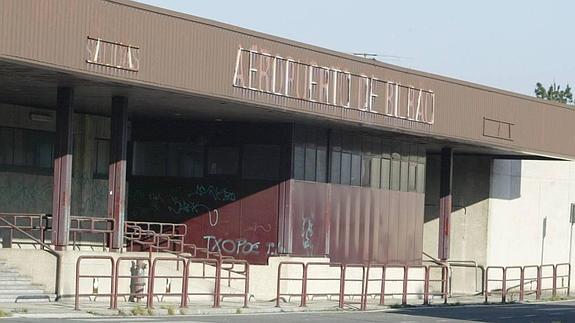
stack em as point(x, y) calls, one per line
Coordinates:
point(366, 225)
point(168, 50)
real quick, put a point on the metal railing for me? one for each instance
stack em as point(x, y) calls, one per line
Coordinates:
point(148, 282)
point(543, 273)
point(95, 290)
point(361, 279)
point(28, 222)
point(92, 226)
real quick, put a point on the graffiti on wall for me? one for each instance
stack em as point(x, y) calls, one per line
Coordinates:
point(201, 199)
point(239, 246)
point(307, 233)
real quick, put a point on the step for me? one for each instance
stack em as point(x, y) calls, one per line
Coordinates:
point(4, 283)
point(3, 280)
point(4, 292)
point(10, 275)
point(19, 287)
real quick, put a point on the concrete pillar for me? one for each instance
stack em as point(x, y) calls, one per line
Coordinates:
point(62, 193)
point(445, 180)
point(117, 169)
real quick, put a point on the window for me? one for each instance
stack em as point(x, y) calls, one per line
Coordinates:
point(404, 170)
point(150, 158)
point(102, 157)
point(168, 159)
point(185, 160)
point(223, 160)
point(261, 162)
point(26, 148)
point(310, 154)
point(364, 160)
point(386, 164)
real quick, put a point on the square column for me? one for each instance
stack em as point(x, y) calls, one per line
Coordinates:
point(117, 169)
point(445, 181)
point(62, 191)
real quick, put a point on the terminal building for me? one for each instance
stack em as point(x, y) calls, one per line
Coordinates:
point(267, 147)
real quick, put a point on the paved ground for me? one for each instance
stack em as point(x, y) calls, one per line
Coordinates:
point(539, 312)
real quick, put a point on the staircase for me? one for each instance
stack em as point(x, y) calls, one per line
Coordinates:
point(15, 288)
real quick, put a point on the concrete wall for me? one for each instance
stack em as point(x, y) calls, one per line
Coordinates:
point(30, 191)
point(468, 219)
point(523, 194)
point(498, 211)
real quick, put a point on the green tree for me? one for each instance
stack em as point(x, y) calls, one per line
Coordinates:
point(554, 93)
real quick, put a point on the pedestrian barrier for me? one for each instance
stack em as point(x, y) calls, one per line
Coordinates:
point(286, 265)
point(514, 278)
point(547, 281)
point(563, 272)
point(317, 278)
point(354, 280)
point(190, 276)
point(501, 279)
point(531, 281)
point(443, 281)
point(424, 273)
point(139, 281)
point(168, 290)
point(95, 290)
point(242, 275)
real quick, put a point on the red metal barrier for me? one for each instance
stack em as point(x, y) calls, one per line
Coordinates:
point(444, 289)
point(502, 281)
point(567, 275)
point(118, 277)
point(91, 225)
point(402, 280)
point(380, 280)
point(520, 280)
point(168, 292)
point(216, 277)
point(363, 291)
point(94, 293)
point(302, 295)
point(424, 280)
point(548, 272)
point(308, 277)
point(27, 222)
point(243, 275)
point(528, 277)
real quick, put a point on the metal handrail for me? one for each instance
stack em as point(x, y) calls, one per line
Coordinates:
point(46, 248)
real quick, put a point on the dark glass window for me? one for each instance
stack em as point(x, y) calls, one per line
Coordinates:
point(404, 171)
point(335, 167)
point(25, 147)
point(362, 160)
point(395, 171)
point(310, 154)
point(385, 173)
point(376, 172)
point(166, 159)
point(149, 159)
point(223, 160)
point(345, 168)
point(102, 157)
point(261, 162)
point(310, 161)
point(420, 180)
point(6, 146)
point(185, 160)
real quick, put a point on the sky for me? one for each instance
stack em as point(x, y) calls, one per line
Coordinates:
point(507, 44)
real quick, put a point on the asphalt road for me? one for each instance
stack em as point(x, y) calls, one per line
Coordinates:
point(542, 312)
